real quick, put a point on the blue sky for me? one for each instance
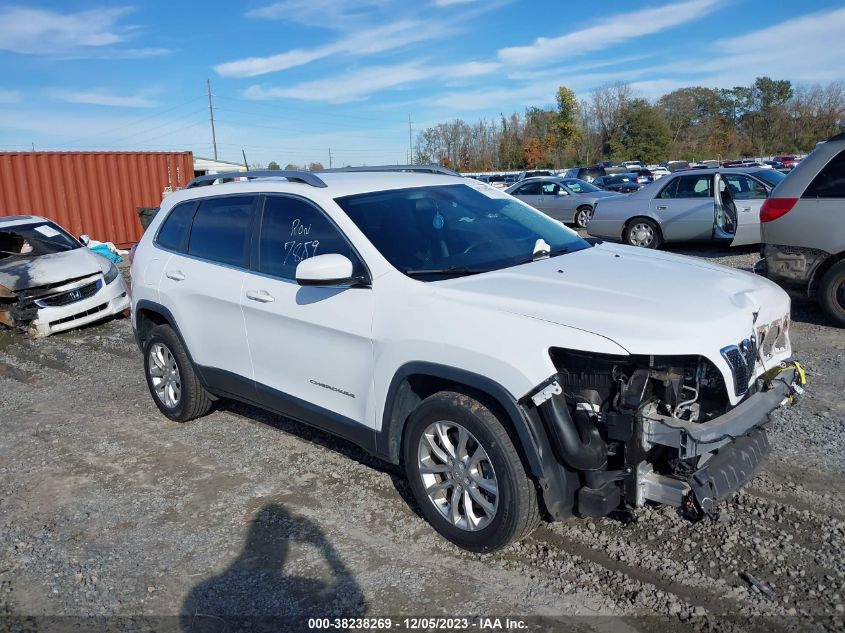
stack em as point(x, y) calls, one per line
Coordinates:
point(293, 78)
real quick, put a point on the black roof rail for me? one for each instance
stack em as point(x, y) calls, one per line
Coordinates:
point(305, 177)
point(427, 169)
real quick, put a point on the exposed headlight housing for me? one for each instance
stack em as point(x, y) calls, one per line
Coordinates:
point(111, 274)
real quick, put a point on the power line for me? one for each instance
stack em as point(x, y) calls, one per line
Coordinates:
point(290, 130)
point(132, 123)
point(310, 111)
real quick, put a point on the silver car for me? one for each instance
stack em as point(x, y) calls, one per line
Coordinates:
point(804, 229)
point(568, 200)
point(695, 204)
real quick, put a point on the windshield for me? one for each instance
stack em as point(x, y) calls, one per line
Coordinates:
point(437, 232)
point(32, 240)
point(771, 177)
point(579, 186)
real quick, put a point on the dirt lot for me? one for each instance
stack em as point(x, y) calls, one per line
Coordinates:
point(107, 508)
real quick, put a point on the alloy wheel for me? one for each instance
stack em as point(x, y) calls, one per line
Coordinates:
point(582, 216)
point(458, 476)
point(641, 235)
point(164, 375)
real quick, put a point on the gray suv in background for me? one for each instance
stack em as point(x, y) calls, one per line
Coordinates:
point(803, 229)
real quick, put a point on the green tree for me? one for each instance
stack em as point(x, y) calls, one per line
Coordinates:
point(641, 133)
point(567, 128)
point(273, 165)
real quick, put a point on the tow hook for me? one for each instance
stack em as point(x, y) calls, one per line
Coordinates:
point(694, 511)
point(796, 386)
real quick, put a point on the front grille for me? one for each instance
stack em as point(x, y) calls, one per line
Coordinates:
point(70, 296)
point(742, 359)
point(73, 317)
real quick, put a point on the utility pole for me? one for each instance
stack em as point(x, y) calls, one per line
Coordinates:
point(410, 142)
point(330, 158)
point(246, 164)
point(211, 111)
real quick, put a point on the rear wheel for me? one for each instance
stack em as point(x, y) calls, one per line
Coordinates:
point(643, 232)
point(832, 293)
point(582, 216)
point(466, 474)
point(171, 378)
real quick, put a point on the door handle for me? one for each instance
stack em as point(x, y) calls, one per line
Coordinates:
point(745, 209)
point(262, 296)
point(175, 275)
point(662, 208)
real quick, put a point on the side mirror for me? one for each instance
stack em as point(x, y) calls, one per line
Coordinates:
point(325, 270)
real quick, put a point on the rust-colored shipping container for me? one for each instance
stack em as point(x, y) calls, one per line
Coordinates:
point(91, 192)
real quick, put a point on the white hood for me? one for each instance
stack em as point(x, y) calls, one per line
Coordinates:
point(648, 302)
point(20, 273)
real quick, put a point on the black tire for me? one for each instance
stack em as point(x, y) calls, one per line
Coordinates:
point(582, 217)
point(517, 513)
point(193, 401)
point(831, 293)
point(631, 234)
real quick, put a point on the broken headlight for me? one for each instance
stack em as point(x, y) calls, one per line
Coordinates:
point(111, 274)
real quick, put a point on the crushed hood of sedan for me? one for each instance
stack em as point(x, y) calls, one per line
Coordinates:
point(28, 277)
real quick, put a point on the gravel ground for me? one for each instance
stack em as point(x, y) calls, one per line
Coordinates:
point(109, 509)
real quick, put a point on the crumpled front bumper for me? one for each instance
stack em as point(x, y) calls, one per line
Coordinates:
point(735, 444)
point(693, 438)
point(110, 300)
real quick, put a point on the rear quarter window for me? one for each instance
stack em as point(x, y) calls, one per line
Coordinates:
point(174, 229)
point(830, 181)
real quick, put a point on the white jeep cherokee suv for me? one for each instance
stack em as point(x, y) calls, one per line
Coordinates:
point(515, 369)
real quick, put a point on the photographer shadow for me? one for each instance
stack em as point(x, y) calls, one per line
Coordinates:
point(262, 589)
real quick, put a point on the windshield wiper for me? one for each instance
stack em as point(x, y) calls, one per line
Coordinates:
point(456, 271)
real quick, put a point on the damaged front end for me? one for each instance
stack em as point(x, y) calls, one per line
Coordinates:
point(662, 429)
point(20, 310)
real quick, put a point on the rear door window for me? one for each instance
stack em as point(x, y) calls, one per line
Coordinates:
point(175, 227)
point(689, 187)
point(530, 189)
point(220, 231)
point(830, 182)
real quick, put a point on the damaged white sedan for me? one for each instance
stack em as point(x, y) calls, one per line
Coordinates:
point(49, 282)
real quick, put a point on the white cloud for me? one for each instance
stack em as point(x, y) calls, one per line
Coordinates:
point(95, 33)
point(368, 42)
point(614, 30)
point(360, 84)
point(100, 96)
point(41, 31)
point(347, 87)
point(9, 96)
point(332, 14)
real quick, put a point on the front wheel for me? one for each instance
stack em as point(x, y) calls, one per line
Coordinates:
point(466, 474)
point(582, 216)
point(171, 378)
point(832, 293)
point(642, 232)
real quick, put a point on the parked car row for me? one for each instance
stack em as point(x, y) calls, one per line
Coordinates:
point(568, 200)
